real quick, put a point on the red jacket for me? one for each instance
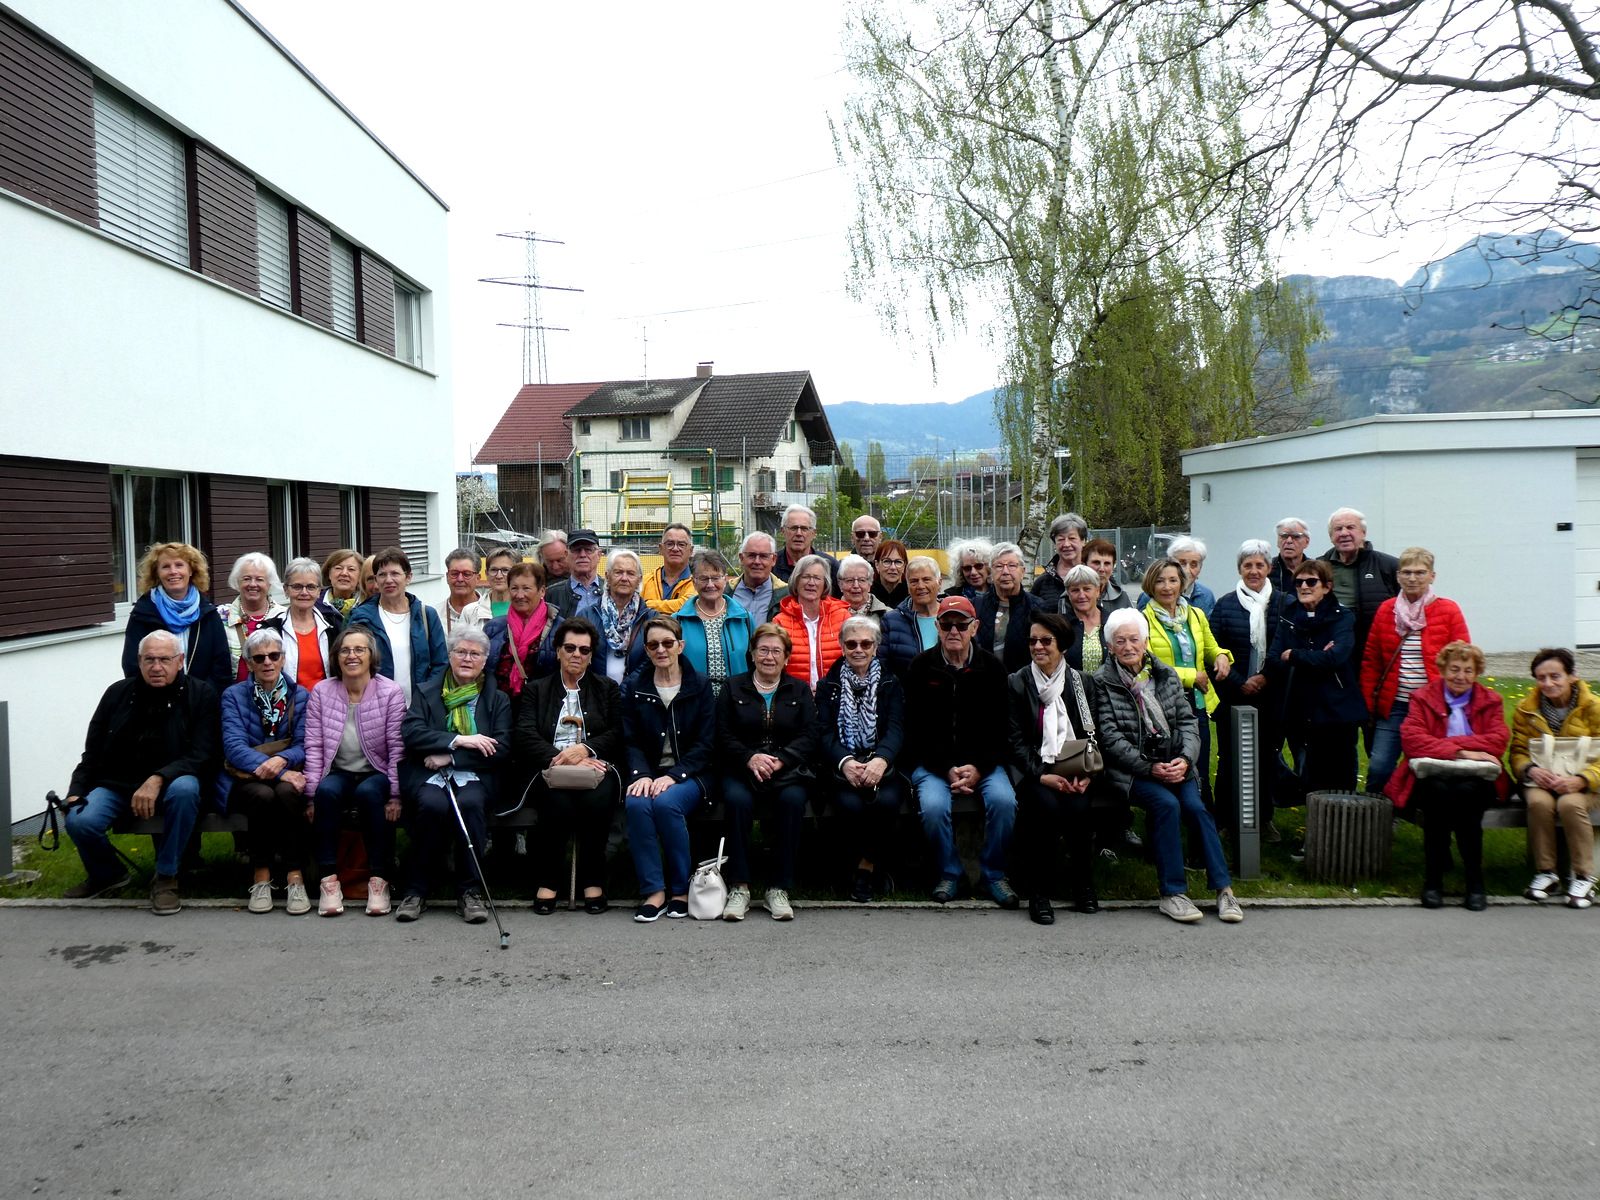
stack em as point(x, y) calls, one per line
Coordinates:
point(792, 622)
point(1422, 735)
point(1378, 686)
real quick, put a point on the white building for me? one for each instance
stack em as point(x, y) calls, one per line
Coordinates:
point(225, 324)
point(1508, 502)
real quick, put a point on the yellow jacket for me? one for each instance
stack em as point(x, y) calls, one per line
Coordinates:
point(1528, 725)
point(670, 602)
point(1206, 650)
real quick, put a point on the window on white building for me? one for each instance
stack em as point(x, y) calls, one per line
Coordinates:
point(636, 429)
point(140, 177)
point(349, 519)
point(407, 324)
point(281, 523)
point(146, 509)
point(272, 248)
point(343, 266)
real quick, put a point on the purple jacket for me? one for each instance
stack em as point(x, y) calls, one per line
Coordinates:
point(377, 722)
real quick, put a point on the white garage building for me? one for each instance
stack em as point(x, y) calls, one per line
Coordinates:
point(1509, 503)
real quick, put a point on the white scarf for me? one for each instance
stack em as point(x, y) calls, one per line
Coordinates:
point(1057, 725)
point(1255, 603)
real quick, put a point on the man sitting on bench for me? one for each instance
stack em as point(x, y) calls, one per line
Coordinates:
point(152, 746)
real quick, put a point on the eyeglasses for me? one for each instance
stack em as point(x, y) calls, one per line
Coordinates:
point(301, 587)
point(1307, 583)
point(953, 623)
point(574, 648)
point(858, 644)
point(354, 652)
point(269, 656)
point(1044, 641)
point(468, 653)
point(1293, 537)
point(463, 575)
point(674, 545)
point(661, 644)
point(769, 652)
point(891, 562)
point(152, 660)
point(499, 570)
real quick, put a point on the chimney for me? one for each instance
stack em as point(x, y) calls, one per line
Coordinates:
point(703, 371)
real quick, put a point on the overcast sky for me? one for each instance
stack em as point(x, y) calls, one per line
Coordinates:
point(683, 154)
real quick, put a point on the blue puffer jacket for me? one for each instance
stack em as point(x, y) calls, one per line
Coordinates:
point(737, 628)
point(1230, 625)
point(427, 640)
point(242, 732)
point(901, 641)
point(688, 728)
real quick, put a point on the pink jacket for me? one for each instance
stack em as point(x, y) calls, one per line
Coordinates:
point(377, 722)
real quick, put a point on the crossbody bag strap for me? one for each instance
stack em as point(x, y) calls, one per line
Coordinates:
point(1083, 705)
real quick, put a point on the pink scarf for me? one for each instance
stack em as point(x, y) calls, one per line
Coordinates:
point(524, 633)
point(1411, 616)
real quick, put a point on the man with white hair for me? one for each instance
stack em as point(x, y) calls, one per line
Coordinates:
point(865, 535)
point(757, 592)
point(553, 555)
point(584, 583)
point(152, 747)
point(1293, 538)
point(799, 532)
point(1363, 578)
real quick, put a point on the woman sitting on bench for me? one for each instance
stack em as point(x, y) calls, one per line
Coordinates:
point(1558, 782)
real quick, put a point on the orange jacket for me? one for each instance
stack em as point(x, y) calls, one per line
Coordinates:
point(834, 611)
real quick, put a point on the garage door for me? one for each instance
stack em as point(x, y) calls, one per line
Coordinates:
point(1587, 561)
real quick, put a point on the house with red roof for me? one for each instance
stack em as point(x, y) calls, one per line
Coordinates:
point(723, 454)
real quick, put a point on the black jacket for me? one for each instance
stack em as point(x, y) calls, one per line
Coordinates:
point(1027, 717)
point(1014, 653)
point(956, 715)
point(600, 701)
point(424, 732)
point(138, 731)
point(1318, 683)
point(1230, 625)
point(690, 733)
point(1121, 730)
point(1377, 579)
point(746, 726)
point(205, 643)
point(891, 733)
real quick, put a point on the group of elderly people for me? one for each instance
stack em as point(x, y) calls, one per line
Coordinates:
point(848, 684)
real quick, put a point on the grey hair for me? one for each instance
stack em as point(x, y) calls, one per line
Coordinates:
point(1125, 616)
point(805, 564)
point(177, 642)
point(1253, 548)
point(1001, 549)
point(1081, 574)
point(923, 560)
point(466, 633)
point(1347, 512)
point(1068, 521)
point(799, 508)
point(255, 559)
point(459, 554)
point(552, 535)
point(863, 624)
point(306, 566)
point(980, 548)
point(1278, 528)
point(706, 556)
point(1186, 545)
point(851, 561)
point(744, 546)
point(261, 637)
point(619, 554)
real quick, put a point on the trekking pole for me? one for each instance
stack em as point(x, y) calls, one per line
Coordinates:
point(450, 787)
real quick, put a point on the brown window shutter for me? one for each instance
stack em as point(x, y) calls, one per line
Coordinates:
point(383, 521)
point(55, 545)
point(321, 517)
point(46, 125)
point(375, 304)
point(222, 219)
point(310, 268)
point(236, 523)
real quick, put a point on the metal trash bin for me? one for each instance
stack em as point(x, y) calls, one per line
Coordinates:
point(1348, 836)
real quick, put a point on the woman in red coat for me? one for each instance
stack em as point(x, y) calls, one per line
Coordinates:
point(1454, 721)
point(811, 618)
point(1408, 631)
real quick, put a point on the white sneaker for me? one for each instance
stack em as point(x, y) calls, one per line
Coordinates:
point(299, 904)
point(1580, 891)
point(738, 903)
point(331, 902)
point(1229, 909)
point(260, 897)
point(778, 904)
point(1543, 884)
point(377, 897)
point(1181, 908)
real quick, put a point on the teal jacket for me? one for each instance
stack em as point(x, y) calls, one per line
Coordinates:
point(737, 628)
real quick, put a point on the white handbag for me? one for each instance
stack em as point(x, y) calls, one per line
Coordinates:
point(708, 894)
point(1563, 755)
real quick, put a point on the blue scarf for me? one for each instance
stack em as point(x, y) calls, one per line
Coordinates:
point(1456, 722)
point(616, 626)
point(177, 615)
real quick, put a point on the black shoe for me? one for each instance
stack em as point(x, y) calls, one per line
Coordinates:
point(546, 905)
point(646, 913)
point(595, 905)
point(1040, 912)
point(1087, 903)
point(1132, 840)
point(1432, 898)
point(677, 910)
point(861, 889)
point(1475, 902)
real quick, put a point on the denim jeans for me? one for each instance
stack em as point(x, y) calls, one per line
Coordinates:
point(999, 819)
point(658, 829)
point(89, 823)
point(434, 826)
point(1167, 806)
point(1385, 753)
point(368, 794)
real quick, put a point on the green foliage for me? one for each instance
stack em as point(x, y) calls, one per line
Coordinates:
point(877, 473)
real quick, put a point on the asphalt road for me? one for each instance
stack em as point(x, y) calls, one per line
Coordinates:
point(1329, 1053)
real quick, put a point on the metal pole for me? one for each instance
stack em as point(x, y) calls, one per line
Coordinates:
point(6, 862)
point(1248, 780)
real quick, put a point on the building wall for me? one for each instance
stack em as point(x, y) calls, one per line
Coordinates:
point(1485, 496)
point(112, 356)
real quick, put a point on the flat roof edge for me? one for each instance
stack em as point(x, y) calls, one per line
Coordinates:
point(1401, 419)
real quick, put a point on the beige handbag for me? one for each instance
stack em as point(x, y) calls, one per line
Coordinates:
point(1564, 755)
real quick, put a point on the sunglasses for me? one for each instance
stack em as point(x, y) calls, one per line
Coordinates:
point(581, 651)
point(858, 644)
point(269, 656)
point(661, 644)
point(1307, 583)
point(1044, 641)
point(947, 624)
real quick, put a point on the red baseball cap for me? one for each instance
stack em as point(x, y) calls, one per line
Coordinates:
point(957, 604)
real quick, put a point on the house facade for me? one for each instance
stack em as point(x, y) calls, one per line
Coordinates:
point(226, 305)
point(1508, 502)
point(723, 454)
